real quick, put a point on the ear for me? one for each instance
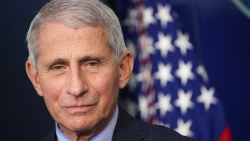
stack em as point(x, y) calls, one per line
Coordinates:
point(33, 76)
point(126, 67)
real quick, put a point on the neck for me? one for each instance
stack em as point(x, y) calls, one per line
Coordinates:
point(86, 135)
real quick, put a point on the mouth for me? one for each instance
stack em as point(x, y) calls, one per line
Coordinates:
point(79, 108)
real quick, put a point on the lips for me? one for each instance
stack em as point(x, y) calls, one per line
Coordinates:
point(79, 108)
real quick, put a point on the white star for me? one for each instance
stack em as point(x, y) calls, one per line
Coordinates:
point(206, 97)
point(184, 72)
point(164, 104)
point(202, 72)
point(144, 106)
point(131, 47)
point(164, 44)
point(132, 83)
point(184, 101)
point(147, 48)
point(184, 128)
point(145, 76)
point(183, 42)
point(148, 16)
point(164, 14)
point(131, 20)
point(164, 74)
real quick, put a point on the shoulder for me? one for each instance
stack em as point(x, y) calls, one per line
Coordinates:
point(162, 133)
point(51, 136)
point(129, 127)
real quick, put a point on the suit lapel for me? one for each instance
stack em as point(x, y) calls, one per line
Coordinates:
point(127, 128)
point(51, 136)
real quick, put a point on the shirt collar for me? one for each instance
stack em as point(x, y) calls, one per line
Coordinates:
point(105, 135)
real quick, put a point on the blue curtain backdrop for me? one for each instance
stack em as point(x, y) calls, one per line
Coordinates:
point(218, 29)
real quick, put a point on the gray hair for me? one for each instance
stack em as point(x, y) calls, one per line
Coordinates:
point(76, 14)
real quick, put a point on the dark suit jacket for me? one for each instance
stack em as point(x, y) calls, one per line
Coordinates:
point(128, 128)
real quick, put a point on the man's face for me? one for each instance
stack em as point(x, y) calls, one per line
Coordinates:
point(77, 76)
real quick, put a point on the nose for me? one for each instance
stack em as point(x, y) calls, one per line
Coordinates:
point(77, 86)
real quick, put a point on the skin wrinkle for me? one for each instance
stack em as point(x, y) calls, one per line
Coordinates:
point(105, 33)
point(60, 74)
point(76, 81)
point(72, 55)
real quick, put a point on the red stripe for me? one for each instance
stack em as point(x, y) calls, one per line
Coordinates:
point(226, 135)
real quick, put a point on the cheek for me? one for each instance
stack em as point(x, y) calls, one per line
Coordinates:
point(51, 88)
point(51, 91)
point(107, 83)
point(107, 87)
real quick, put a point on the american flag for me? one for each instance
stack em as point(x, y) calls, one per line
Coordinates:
point(168, 83)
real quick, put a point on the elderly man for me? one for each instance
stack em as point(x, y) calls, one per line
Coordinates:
point(78, 62)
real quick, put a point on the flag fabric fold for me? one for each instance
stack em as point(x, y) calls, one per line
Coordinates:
point(168, 83)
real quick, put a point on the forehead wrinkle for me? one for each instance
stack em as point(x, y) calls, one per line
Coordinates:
point(101, 34)
point(76, 33)
point(83, 39)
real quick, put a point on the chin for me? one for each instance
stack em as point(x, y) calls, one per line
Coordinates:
point(80, 125)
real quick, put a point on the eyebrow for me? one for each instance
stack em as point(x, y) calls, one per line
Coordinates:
point(87, 58)
point(56, 61)
point(65, 61)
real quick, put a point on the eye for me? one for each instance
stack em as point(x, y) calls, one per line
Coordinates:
point(58, 67)
point(92, 64)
